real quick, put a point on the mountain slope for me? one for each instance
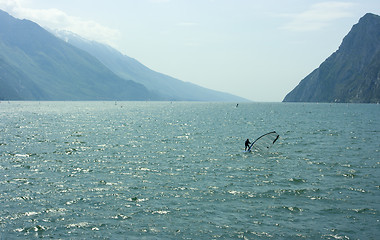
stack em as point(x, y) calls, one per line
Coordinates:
point(168, 88)
point(351, 74)
point(36, 65)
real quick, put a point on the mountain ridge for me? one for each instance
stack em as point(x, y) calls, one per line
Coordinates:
point(37, 65)
point(350, 74)
point(129, 68)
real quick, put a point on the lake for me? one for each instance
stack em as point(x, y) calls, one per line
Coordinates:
point(178, 170)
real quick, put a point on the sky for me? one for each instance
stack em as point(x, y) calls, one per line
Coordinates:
point(256, 49)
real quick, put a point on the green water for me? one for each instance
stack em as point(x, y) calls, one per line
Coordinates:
point(162, 170)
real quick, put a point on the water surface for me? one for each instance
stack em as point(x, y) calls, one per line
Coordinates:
point(162, 170)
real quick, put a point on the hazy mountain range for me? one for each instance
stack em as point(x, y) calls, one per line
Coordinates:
point(168, 88)
point(351, 74)
point(37, 65)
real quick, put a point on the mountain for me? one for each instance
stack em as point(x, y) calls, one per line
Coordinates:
point(168, 88)
point(351, 74)
point(36, 65)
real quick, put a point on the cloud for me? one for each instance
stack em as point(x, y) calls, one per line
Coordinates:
point(9, 5)
point(319, 16)
point(57, 19)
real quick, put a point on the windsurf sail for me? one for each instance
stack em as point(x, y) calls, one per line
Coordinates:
point(265, 141)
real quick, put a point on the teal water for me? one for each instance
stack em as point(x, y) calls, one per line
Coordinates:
point(161, 170)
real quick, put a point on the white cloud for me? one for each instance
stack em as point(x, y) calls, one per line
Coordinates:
point(9, 5)
point(57, 19)
point(319, 16)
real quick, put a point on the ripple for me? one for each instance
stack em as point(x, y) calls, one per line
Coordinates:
point(168, 171)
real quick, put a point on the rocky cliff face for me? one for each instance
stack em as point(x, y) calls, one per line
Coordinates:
point(351, 74)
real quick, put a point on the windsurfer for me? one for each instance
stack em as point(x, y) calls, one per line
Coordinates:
point(247, 142)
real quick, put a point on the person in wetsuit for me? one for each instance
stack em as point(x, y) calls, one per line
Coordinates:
point(247, 143)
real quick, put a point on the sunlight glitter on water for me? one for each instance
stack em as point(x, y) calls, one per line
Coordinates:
point(178, 171)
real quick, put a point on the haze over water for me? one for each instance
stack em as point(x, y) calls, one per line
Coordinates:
point(161, 170)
